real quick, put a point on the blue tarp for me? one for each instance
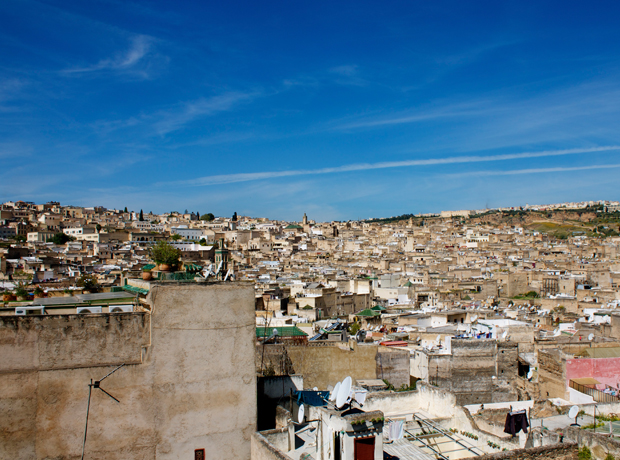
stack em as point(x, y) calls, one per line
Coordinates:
point(312, 398)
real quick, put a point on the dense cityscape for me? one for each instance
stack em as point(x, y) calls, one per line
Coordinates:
point(476, 312)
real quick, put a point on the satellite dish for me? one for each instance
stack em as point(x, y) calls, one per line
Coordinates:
point(275, 332)
point(438, 339)
point(334, 394)
point(504, 334)
point(590, 337)
point(573, 412)
point(315, 389)
point(343, 392)
point(530, 374)
point(330, 388)
point(300, 414)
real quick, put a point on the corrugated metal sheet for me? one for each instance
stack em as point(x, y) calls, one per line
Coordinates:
point(611, 352)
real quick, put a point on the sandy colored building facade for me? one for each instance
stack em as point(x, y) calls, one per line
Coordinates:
point(188, 382)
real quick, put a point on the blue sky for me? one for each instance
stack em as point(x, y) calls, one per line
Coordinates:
point(342, 110)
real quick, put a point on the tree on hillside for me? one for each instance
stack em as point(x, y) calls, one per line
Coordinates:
point(208, 217)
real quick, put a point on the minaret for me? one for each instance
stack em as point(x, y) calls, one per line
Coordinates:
point(305, 219)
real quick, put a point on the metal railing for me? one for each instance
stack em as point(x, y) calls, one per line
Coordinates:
point(597, 395)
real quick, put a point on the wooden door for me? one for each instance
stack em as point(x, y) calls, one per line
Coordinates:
point(364, 448)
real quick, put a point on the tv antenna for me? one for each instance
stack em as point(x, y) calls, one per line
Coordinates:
point(91, 385)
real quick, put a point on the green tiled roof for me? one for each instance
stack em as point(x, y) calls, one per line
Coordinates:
point(378, 308)
point(288, 331)
point(368, 312)
point(149, 267)
point(192, 268)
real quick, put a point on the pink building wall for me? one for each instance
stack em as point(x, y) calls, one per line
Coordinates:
point(605, 370)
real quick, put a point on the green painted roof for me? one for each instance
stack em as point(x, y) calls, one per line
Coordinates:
point(136, 290)
point(287, 331)
point(368, 312)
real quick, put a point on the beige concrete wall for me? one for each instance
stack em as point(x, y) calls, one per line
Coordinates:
point(191, 386)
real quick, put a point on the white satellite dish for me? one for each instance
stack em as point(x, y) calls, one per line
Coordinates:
point(590, 337)
point(504, 334)
point(438, 339)
point(334, 394)
point(275, 332)
point(530, 374)
point(315, 389)
point(300, 414)
point(573, 412)
point(343, 392)
point(330, 388)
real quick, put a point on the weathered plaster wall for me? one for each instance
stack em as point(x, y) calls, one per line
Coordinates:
point(394, 366)
point(190, 383)
point(29, 343)
point(605, 370)
point(326, 365)
point(264, 449)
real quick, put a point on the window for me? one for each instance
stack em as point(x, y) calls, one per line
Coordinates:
point(199, 454)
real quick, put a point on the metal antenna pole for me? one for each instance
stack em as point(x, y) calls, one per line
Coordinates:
point(96, 384)
point(109, 374)
point(90, 389)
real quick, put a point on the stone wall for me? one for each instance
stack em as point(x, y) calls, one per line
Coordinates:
point(394, 366)
point(551, 374)
point(507, 360)
point(189, 382)
point(566, 451)
point(473, 365)
point(325, 364)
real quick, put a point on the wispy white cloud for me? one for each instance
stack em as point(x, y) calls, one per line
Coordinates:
point(245, 177)
point(166, 121)
point(441, 111)
point(534, 170)
point(140, 46)
point(175, 117)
